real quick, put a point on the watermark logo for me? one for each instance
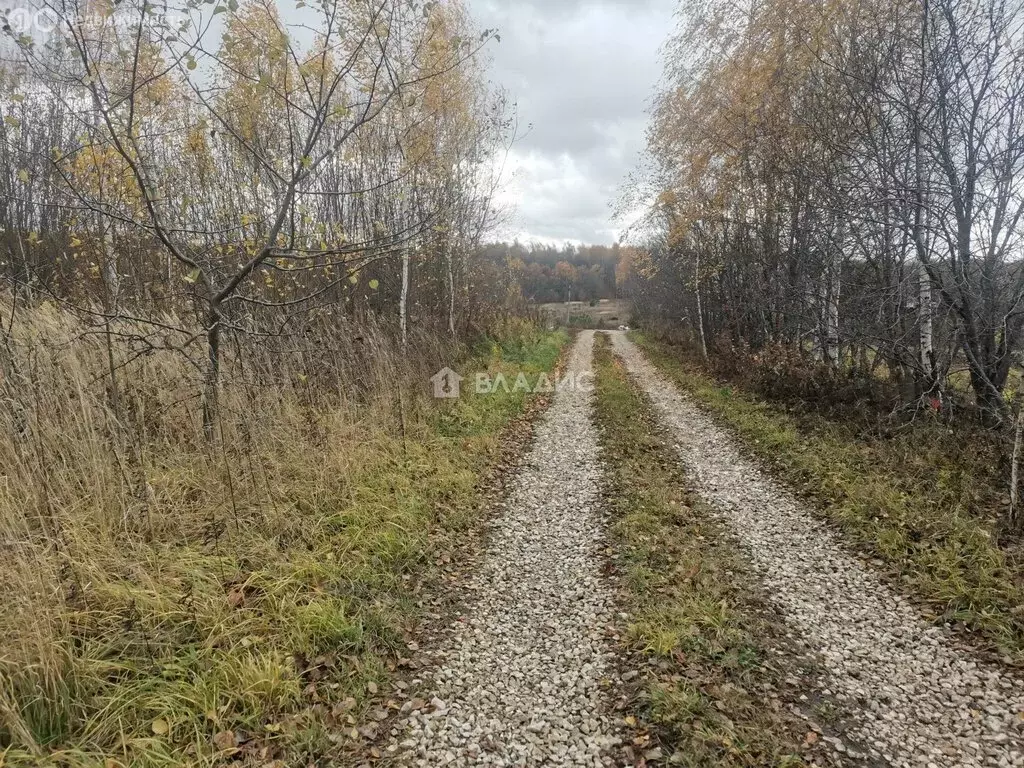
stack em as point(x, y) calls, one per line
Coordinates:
point(22, 23)
point(447, 383)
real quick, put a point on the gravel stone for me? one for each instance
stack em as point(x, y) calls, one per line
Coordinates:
point(918, 697)
point(517, 679)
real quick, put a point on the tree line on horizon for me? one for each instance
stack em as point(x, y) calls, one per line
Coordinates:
point(546, 273)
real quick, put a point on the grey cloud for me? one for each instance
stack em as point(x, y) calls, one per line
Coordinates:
point(582, 73)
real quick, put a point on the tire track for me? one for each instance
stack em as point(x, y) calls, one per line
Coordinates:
point(517, 680)
point(920, 699)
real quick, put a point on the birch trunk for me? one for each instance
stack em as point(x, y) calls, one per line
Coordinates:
point(1015, 470)
point(451, 290)
point(112, 286)
point(700, 309)
point(832, 326)
point(830, 292)
point(211, 378)
point(925, 322)
point(403, 302)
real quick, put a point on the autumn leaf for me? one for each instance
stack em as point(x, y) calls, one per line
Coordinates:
point(224, 740)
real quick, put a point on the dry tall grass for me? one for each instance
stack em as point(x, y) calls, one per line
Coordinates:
point(168, 602)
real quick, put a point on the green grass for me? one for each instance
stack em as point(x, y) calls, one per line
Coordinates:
point(920, 499)
point(263, 637)
point(692, 605)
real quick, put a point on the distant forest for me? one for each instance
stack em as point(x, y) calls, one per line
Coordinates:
point(570, 272)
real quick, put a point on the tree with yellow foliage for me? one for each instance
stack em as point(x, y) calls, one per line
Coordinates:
point(851, 173)
point(265, 169)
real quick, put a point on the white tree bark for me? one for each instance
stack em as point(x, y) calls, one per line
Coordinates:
point(700, 308)
point(451, 289)
point(403, 301)
point(832, 289)
point(925, 323)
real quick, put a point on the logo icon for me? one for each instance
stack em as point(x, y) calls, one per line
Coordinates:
point(447, 384)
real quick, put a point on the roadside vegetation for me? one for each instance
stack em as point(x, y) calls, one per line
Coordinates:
point(840, 272)
point(168, 601)
point(235, 245)
point(713, 691)
point(925, 498)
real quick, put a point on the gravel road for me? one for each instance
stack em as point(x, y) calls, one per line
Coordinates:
point(919, 699)
point(516, 681)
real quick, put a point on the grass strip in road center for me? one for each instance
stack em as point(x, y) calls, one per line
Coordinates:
point(712, 687)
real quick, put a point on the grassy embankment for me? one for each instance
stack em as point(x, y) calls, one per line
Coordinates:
point(692, 604)
point(921, 499)
point(168, 604)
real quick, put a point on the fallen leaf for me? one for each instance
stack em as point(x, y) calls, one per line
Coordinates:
point(342, 707)
point(224, 740)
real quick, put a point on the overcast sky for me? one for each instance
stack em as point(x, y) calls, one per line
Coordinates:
point(582, 73)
